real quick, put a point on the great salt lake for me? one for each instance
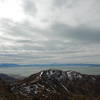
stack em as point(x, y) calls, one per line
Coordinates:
point(26, 71)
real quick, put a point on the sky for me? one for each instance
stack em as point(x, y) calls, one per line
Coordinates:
point(49, 31)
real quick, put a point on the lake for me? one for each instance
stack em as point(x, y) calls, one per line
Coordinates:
point(26, 71)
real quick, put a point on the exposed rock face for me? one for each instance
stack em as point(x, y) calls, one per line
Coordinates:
point(57, 84)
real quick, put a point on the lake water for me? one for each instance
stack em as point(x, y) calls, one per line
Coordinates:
point(26, 71)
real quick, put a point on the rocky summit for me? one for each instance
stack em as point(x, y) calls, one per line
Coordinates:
point(53, 85)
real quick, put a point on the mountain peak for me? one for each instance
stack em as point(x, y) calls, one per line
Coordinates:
point(54, 82)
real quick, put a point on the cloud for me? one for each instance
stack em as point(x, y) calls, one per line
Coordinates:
point(52, 31)
point(80, 33)
point(11, 9)
point(65, 3)
point(59, 3)
point(29, 7)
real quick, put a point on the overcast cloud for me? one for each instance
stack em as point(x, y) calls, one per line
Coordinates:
point(49, 31)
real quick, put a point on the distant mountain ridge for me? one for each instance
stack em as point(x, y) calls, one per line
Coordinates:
point(44, 65)
point(7, 78)
point(8, 65)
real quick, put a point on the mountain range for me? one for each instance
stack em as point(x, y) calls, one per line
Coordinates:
point(45, 65)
